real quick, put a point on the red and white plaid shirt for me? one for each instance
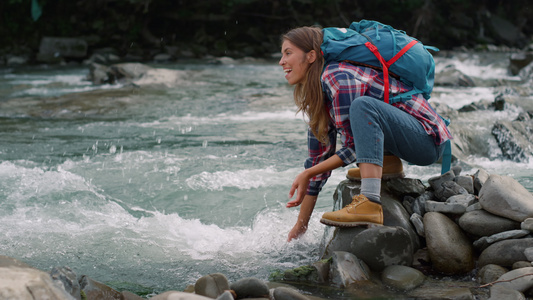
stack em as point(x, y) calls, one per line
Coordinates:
point(343, 83)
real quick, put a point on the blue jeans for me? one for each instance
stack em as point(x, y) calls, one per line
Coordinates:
point(379, 127)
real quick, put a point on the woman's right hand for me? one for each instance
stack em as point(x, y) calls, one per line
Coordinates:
point(297, 231)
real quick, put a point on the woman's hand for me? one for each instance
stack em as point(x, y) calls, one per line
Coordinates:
point(299, 186)
point(297, 231)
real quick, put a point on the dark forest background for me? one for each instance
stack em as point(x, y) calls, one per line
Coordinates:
point(252, 27)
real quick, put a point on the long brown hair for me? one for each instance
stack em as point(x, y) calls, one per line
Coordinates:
point(308, 95)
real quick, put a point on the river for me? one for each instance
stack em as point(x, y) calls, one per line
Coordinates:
point(148, 189)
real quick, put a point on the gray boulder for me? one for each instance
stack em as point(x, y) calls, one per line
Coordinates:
point(346, 269)
point(482, 223)
point(20, 281)
point(505, 253)
point(175, 295)
point(211, 285)
point(285, 293)
point(506, 197)
point(54, 49)
point(380, 247)
point(490, 273)
point(520, 279)
point(250, 288)
point(450, 250)
point(402, 278)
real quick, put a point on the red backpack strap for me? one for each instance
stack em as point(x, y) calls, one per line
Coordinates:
point(386, 64)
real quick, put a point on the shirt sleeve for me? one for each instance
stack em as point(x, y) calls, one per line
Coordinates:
point(319, 152)
point(342, 87)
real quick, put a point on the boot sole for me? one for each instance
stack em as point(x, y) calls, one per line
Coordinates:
point(383, 177)
point(349, 224)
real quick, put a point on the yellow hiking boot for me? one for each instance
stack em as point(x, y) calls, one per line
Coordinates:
point(392, 168)
point(360, 212)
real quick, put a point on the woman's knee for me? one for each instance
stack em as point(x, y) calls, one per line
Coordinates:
point(362, 104)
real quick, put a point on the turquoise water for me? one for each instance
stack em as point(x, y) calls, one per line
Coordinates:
point(154, 187)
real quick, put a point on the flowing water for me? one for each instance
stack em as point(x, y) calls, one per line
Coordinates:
point(151, 188)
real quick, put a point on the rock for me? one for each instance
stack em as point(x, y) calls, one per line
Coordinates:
point(528, 252)
point(418, 223)
point(445, 207)
point(485, 241)
point(479, 179)
point(527, 224)
point(519, 279)
point(227, 295)
point(346, 269)
point(211, 285)
point(20, 282)
point(67, 279)
point(450, 76)
point(505, 253)
point(521, 264)
point(419, 204)
point(400, 187)
point(250, 288)
point(394, 214)
point(53, 49)
point(518, 61)
point(380, 247)
point(97, 290)
point(448, 189)
point(483, 223)
point(490, 273)
point(285, 293)
point(402, 278)
point(462, 199)
point(306, 274)
point(511, 142)
point(504, 196)
point(500, 292)
point(467, 182)
point(174, 295)
point(450, 250)
point(130, 296)
point(436, 181)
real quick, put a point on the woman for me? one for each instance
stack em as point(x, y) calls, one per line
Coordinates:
point(345, 99)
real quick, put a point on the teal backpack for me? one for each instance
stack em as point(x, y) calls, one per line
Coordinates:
point(377, 45)
point(373, 44)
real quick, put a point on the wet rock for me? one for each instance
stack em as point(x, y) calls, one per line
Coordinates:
point(483, 223)
point(467, 182)
point(436, 181)
point(400, 187)
point(211, 285)
point(20, 282)
point(394, 215)
point(174, 295)
point(285, 293)
point(519, 279)
point(527, 224)
point(306, 274)
point(485, 241)
point(450, 76)
point(521, 264)
point(419, 204)
point(402, 278)
point(448, 189)
point(418, 223)
point(67, 279)
point(450, 250)
point(445, 207)
point(227, 295)
point(500, 292)
point(97, 290)
point(490, 273)
point(250, 288)
point(506, 197)
point(384, 246)
point(505, 253)
point(479, 179)
point(511, 142)
point(53, 49)
point(346, 269)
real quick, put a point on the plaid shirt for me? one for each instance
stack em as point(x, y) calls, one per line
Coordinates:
point(344, 82)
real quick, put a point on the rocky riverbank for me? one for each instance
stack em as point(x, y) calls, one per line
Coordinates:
point(462, 237)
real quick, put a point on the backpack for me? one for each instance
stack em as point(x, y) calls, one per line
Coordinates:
point(371, 43)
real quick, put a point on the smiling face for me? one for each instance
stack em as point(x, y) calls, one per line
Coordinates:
point(295, 62)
